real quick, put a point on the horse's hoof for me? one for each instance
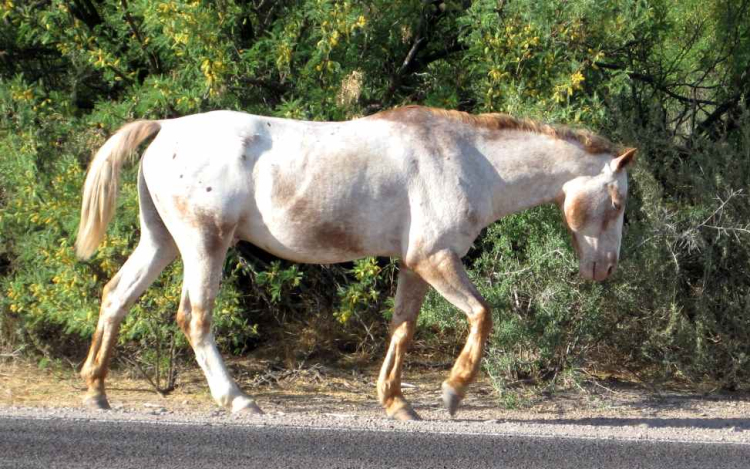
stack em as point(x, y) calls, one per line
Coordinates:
point(98, 402)
point(405, 414)
point(249, 409)
point(451, 399)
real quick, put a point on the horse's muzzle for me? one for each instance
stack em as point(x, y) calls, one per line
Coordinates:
point(598, 271)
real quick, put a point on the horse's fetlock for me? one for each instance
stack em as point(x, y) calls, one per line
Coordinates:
point(384, 389)
point(113, 314)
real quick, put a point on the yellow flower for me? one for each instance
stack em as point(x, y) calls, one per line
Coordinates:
point(576, 79)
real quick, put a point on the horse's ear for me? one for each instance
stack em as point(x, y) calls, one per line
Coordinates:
point(624, 160)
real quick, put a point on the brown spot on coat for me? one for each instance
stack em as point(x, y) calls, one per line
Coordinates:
point(575, 243)
point(216, 233)
point(338, 236)
point(324, 234)
point(577, 213)
point(200, 323)
point(283, 190)
point(613, 212)
point(95, 369)
point(300, 212)
point(181, 206)
point(195, 322)
point(618, 201)
point(183, 314)
point(560, 201)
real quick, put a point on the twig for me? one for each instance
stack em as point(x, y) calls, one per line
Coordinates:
point(704, 223)
point(153, 60)
point(653, 82)
point(148, 378)
point(157, 367)
point(171, 372)
point(14, 354)
point(427, 19)
point(674, 257)
point(367, 329)
point(595, 382)
point(729, 229)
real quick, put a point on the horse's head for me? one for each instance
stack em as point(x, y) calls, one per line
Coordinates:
point(594, 208)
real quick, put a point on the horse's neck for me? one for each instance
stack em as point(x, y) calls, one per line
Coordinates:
point(532, 170)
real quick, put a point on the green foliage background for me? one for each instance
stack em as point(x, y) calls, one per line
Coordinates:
point(671, 78)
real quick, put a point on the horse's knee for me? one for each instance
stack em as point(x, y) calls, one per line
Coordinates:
point(402, 333)
point(110, 304)
point(200, 326)
point(184, 315)
point(115, 303)
point(194, 323)
point(110, 287)
point(183, 321)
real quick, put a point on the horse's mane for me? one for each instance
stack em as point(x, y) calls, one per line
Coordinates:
point(590, 141)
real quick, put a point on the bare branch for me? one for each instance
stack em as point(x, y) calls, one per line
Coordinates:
point(653, 82)
point(137, 365)
point(153, 60)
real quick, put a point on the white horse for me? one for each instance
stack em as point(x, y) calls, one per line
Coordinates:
point(413, 182)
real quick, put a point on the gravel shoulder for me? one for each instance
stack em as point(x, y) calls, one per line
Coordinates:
point(344, 398)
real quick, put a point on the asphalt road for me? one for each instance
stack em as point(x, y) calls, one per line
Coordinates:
point(63, 443)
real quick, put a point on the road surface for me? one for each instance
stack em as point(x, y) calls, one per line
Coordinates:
point(57, 442)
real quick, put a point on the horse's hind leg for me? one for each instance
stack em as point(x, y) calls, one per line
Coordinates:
point(203, 264)
point(155, 251)
point(410, 294)
point(445, 272)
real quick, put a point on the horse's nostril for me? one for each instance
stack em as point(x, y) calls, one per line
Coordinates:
point(610, 269)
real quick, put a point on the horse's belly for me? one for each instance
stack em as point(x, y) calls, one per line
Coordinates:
point(321, 240)
point(327, 244)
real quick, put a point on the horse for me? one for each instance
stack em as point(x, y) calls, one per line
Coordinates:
point(413, 183)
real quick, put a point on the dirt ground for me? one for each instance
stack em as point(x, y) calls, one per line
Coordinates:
point(349, 389)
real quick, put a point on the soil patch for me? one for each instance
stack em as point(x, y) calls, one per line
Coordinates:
point(321, 389)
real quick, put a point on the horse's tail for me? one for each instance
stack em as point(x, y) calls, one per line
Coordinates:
point(102, 182)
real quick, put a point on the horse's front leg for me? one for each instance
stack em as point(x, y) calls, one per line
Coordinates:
point(410, 294)
point(202, 276)
point(444, 271)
